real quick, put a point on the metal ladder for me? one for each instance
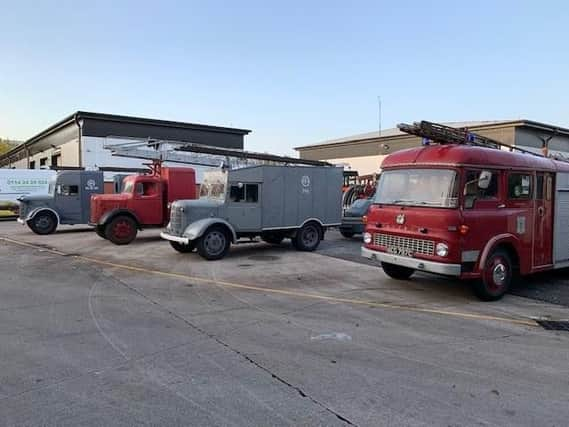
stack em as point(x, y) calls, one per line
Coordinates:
point(443, 134)
point(200, 155)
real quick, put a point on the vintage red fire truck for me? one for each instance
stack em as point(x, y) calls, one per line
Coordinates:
point(468, 208)
point(143, 203)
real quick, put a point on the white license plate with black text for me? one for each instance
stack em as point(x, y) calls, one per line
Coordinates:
point(397, 250)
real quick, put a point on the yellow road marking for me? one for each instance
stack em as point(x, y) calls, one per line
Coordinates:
point(309, 295)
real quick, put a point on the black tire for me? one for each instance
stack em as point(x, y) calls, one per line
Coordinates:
point(347, 234)
point(121, 230)
point(397, 272)
point(43, 223)
point(182, 248)
point(496, 277)
point(214, 243)
point(100, 230)
point(308, 237)
point(272, 238)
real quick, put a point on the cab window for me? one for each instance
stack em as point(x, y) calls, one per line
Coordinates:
point(146, 188)
point(68, 190)
point(472, 190)
point(247, 193)
point(519, 186)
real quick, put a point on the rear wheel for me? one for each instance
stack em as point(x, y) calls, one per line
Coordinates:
point(43, 223)
point(214, 244)
point(121, 230)
point(183, 248)
point(308, 237)
point(496, 277)
point(396, 271)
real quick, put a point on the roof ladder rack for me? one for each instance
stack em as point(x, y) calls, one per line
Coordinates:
point(442, 134)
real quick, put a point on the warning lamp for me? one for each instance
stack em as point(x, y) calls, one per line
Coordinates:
point(463, 229)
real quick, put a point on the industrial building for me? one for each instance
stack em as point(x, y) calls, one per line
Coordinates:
point(78, 140)
point(365, 152)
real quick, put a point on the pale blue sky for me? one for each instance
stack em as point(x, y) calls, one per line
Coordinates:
point(294, 72)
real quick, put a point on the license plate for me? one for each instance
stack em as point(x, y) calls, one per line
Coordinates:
point(396, 250)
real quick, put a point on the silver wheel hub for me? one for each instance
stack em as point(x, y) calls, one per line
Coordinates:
point(215, 242)
point(499, 274)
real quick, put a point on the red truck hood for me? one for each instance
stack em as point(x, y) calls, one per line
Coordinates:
point(435, 224)
point(102, 203)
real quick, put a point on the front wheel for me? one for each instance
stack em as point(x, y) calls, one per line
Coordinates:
point(308, 237)
point(214, 244)
point(397, 272)
point(43, 223)
point(121, 230)
point(347, 234)
point(496, 277)
point(100, 230)
point(183, 248)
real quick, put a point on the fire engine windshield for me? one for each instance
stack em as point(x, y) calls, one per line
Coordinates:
point(418, 187)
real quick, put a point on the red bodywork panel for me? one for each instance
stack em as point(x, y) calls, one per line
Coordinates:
point(151, 207)
point(525, 225)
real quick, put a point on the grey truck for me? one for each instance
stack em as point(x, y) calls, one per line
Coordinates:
point(273, 202)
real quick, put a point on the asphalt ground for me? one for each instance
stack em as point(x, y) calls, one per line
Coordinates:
point(96, 334)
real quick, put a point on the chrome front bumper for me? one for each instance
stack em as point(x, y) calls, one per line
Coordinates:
point(178, 239)
point(414, 263)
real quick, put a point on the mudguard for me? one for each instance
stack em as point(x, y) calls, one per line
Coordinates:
point(35, 211)
point(197, 229)
point(495, 242)
point(108, 216)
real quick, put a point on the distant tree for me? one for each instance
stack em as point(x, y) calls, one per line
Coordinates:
point(6, 145)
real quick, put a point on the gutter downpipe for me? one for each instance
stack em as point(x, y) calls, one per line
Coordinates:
point(79, 124)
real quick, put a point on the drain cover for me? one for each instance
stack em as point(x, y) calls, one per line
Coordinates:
point(554, 325)
point(263, 257)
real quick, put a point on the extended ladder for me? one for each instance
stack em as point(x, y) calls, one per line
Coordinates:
point(442, 134)
point(200, 155)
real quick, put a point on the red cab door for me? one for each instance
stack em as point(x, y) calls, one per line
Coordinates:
point(148, 202)
point(543, 217)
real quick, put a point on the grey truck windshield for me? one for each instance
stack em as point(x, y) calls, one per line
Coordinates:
point(418, 187)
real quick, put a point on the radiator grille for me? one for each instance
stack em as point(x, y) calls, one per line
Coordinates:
point(176, 220)
point(418, 246)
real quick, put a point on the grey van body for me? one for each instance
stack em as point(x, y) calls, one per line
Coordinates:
point(69, 201)
point(260, 200)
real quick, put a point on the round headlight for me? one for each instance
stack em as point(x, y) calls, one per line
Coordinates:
point(367, 237)
point(442, 249)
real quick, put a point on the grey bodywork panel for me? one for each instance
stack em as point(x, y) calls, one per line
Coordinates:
point(71, 208)
point(288, 196)
point(561, 224)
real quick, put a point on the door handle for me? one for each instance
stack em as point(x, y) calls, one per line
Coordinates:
point(501, 206)
point(541, 211)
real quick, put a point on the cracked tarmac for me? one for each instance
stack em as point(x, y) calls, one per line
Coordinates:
point(83, 343)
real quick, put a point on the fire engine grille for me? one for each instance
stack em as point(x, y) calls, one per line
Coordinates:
point(418, 246)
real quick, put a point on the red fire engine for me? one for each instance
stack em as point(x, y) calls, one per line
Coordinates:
point(469, 207)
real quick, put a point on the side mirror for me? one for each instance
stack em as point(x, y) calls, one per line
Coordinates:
point(484, 180)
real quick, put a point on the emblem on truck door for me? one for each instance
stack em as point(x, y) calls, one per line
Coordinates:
point(400, 219)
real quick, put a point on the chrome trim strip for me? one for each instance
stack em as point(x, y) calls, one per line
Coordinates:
point(414, 263)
